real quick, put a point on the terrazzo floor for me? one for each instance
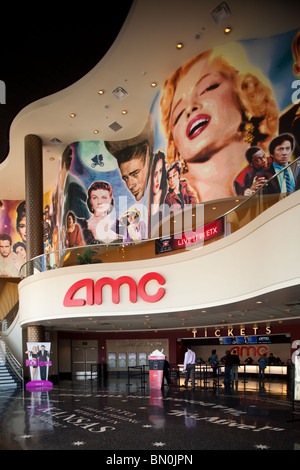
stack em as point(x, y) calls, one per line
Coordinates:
point(125, 420)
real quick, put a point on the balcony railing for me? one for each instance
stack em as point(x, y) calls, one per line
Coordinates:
point(242, 210)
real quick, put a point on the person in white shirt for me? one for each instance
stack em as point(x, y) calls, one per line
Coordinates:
point(189, 367)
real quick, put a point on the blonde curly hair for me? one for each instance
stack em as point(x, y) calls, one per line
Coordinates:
point(253, 89)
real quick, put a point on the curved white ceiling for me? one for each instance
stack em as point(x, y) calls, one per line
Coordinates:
point(144, 51)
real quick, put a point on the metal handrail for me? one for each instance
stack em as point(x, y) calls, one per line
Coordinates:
point(9, 318)
point(14, 364)
point(260, 190)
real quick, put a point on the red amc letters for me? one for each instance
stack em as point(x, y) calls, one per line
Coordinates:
point(94, 290)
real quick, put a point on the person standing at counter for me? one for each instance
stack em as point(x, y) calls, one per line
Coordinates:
point(189, 367)
point(214, 362)
point(228, 368)
point(262, 364)
point(235, 368)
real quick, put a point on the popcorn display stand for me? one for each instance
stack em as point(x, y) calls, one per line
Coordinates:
point(156, 369)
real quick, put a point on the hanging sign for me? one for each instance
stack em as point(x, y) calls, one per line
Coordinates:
point(190, 238)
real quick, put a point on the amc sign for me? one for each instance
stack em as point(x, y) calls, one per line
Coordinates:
point(93, 290)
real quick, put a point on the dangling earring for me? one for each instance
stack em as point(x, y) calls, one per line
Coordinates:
point(184, 166)
point(249, 132)
point(252, 134)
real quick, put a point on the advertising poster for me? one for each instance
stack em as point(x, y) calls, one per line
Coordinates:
point(112, 360)
point(122, 360)
point(142, 359)
point(132, 359)
point(12, 237)
point(38, 361)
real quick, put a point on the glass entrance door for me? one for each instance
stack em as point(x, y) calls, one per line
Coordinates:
point(84, 354)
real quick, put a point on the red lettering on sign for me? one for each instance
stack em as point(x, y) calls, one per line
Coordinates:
point(115, 288)
point(94, 291)
point(142, 287)
point(69, 301)
point(256, 350)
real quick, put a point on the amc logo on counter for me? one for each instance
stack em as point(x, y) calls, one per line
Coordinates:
point(93, 290)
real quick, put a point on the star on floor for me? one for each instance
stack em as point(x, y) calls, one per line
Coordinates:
point(159, 444)
point(78, 443)
point(261, 446)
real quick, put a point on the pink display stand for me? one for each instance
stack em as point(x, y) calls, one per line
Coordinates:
point(156, 371)
point(39, 385)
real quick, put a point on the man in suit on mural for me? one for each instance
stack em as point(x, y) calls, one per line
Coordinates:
point(179, 193)
point(246, 182)
point(71, 195)
point(10, 262)
point(290, 119)
point(286, 181)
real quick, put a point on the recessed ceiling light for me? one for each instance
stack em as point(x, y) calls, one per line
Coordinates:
point(227, 30)
point(72, 115)
point(124, 111)
point(179, 45)
point(100, 92)
point(96, 131)
point(153, 84)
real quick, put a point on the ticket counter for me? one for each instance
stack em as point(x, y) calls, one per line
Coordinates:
point(280, 370)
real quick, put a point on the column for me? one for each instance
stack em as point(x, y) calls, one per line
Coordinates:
point(35, 333)
point(34, 196)
point(34, 212)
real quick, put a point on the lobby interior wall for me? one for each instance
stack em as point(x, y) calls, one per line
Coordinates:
point(153, 339)
point(177, 340)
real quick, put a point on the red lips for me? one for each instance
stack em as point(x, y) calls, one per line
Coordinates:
point(197, 125)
